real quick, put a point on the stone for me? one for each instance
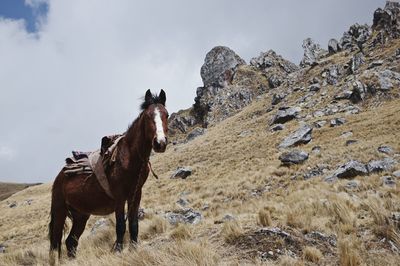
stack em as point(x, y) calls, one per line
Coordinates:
point(337, 122)
point(314, 87)
point(395, 216)
point(314, 172)
point(181, 172)
point(385, 164)
point(353, 184)
point(385, 149)
point(12, 205)
point(387, 20)
point(293, 157)
point(183, 202)
point(141, 214)
point(185, 215)
point(320, 123)
point(180, 123)
point(333, 46)
point(268, 61)
point(321, 236)
point(396, 173)
point(346, 134)
point(220, 66)
point(350, 142)
point(277, 127)
point(301, 136)
point(387, 78)
point(356, 62)
point(312, 53)
point(375, 64)
point(358, 93)
point(198, 131)
point(350, 169)
point(285, 114)
point(2, 249)
point(277, 98)
point(332, 74)
point(228, 217)
point(388, 181)
point(316, 149)
point(100, 224)
point(274, 81)
point(246, 133)
point(355, 37)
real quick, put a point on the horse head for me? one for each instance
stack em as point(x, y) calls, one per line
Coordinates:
point(156, 120)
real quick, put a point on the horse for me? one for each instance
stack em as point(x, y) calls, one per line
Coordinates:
point(80, 196)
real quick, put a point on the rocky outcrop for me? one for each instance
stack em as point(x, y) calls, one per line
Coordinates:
point(220, 66)
point(387, 20)
point(270, 62)
point(301, 136)
point(293, 157)
point(312, 53)
point(355, 37)
point(333, 46)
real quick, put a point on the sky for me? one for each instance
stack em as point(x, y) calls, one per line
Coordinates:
point(74, 71)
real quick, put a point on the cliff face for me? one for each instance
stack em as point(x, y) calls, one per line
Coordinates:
point(353, 67)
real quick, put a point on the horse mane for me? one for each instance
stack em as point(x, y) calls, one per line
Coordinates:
point(155, 99)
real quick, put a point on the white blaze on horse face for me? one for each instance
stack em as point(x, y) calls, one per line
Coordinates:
point(159, 126)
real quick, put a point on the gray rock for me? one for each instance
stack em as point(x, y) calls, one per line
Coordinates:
point(220, 66)
point(277, 127)
point(228, 217)
point(337, 122)
point(387, 20)
point(301, 136)
point(314, 172)
point(321, 236)
point(316, 149)
point(353, 184)
point(320, 123)
point(355, 37)
point(141, 214)
point(314, 87)
point(2, 249)
point(12, 205)
point(180, 123)
point(351, 142)
point(388, 181)
point(375, 64)
point(277, 98)
point(246, 133)
point(293, 157)
point(333, 46)
point(356, 62)
point(395, 216)
point(387, 78)
point(312, 53)
point(183, 202)
point(285, 114)
point(100, 224)
point(346, 134)
point(269, 60)
point(350, 169)
point(359, 92)
point(274, 81)
point(181, 172)
point(396, 173)
point(198, 131)
point(185, 215)
point(385, 164)
point(385, 149)
point(333, 74)
point(274, 231)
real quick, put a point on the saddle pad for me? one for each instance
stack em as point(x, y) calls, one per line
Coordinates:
point(96, 163)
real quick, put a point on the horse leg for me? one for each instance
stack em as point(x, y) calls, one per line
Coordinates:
point(133, 207)
point(120, 227)
point(78, 226)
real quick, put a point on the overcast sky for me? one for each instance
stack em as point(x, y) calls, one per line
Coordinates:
point(74, 71)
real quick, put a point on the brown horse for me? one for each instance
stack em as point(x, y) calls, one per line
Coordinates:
point(78, 196)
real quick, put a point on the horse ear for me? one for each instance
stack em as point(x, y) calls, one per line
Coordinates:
point(162, 97)
point(148, 97)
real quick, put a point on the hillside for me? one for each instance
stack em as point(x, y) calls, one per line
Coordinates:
point(244, 202)
point(7, 189)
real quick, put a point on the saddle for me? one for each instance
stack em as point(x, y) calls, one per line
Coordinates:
point(95, 163)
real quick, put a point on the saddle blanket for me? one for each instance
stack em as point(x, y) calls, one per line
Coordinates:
point(95, 163)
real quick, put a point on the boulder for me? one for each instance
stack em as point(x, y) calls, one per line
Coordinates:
point(312, 53)
point(385, 164)
point(320, 123)
point(277, 127)
point(274, 81)
point(349, 170)
point(220, 66)
point(178, 122)
point(182, 202)
point(293, 157)
point(301, 136)
point(285, 114)
point(396, 173)
point(337, 122)
point(333, 46)
point(355, 37)
point(332, 74)
point(272, 62)
point(181, 172)
point(185, 215)
point(359, 92)
point(356, 62)
point(388, 181)
point(198, 131)
point(385, 149)
point(277, 98)
point(314, 87)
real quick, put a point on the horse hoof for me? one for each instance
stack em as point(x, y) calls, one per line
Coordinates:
point(118, 247)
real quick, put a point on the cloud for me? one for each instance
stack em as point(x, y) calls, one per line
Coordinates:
point(7, 153)
point(82, 74)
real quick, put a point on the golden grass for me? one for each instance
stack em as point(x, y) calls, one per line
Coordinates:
point(312, 254)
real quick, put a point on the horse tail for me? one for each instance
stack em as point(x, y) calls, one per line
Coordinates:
point(58, 213)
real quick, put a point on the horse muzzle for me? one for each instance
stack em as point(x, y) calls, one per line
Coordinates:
point(159, 146)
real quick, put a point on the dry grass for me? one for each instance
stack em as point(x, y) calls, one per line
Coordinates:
point(231, 231)
point(349, 254)
point(312, 254)
point(181, 231)
point(264, 218)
